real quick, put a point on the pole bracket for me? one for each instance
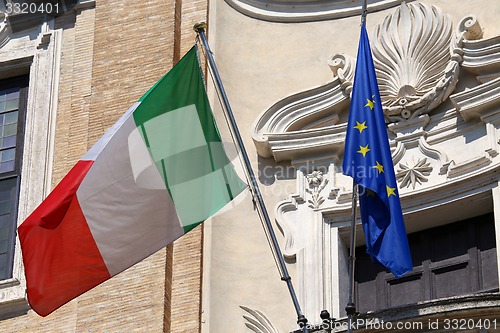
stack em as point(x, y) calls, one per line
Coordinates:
point(350, 309)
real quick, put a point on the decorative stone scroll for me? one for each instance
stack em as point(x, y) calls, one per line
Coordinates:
point(445, 143)
point(258, 321)
point(5, 30)
point(417, 56)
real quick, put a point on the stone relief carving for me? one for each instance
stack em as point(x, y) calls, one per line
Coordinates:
point(416, 57)
point(411, 52)
point(257, 321)
point(316, 184)
point(419, 57)
point(413, 173)
point(5, 30)
point(412, 136)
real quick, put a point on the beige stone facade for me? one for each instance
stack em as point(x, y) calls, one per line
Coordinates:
point(279, 62)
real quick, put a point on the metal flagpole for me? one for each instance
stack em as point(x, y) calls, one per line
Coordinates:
point(364, 11)
point(301, 319)
point(351, 306)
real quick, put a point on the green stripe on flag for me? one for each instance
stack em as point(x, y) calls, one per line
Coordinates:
point(177, 126)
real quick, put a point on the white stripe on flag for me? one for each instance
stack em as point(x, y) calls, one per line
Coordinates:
point(148, 219)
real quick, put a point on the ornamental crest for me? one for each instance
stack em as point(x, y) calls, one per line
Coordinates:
point(416, 59)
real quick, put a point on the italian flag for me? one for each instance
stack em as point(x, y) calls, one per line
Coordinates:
point(156, 174)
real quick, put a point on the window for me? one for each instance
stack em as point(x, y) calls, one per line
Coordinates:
point(451, 260)
point(13, 98)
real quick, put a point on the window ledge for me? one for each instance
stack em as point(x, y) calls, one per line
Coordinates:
point(13, 300)
point(9, 283)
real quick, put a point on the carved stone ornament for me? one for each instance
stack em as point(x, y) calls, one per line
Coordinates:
point(4, 29)
point(316, 184)
point(443, 152)
point(413, 173)
point(415, 69)
point(411, 52)
point(417, 56)
point(257, 321)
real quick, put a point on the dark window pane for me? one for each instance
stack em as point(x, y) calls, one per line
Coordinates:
point(8, 141)
point(3, 246)
point(7, 195)
point(11, 117)
point(10, 129)
point(4, 233)
point(8, 190)
point(4, 221)
point(7, 166)
point(11, 93)
point(7, 155)
point(12, 105)
point(4, 207)
point(13, 100)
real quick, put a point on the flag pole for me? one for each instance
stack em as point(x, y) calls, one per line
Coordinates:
point(351, 306)
point(301, 319)
point(364, 11)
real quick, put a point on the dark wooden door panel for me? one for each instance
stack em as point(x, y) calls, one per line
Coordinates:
point(451, 260)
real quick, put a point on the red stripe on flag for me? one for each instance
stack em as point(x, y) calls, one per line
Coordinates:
point(61, 258)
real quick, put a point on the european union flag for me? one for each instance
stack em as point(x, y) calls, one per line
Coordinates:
point(367, 159)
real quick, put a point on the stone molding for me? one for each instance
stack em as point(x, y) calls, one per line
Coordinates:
point(477, 307)
point(307, 124)
point(304, 11)
point(435, 175)
point(285, 129)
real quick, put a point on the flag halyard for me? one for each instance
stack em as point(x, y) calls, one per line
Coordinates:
point(367, 159)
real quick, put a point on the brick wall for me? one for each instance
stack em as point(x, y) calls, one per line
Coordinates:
point(111, 55)
point(187, 251)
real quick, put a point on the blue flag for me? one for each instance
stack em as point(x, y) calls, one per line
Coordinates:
point(367, 159)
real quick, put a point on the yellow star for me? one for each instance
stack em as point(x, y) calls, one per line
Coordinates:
point(360, 126)
point(379, 167)
point(370, 193)
point(363, 150)
point(370, 103)
point(391, 191)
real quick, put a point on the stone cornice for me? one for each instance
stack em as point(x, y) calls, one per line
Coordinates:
point(306, 124)
point(474, 308)
point(478, 101)
point(282, 130)
point(304, 11)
